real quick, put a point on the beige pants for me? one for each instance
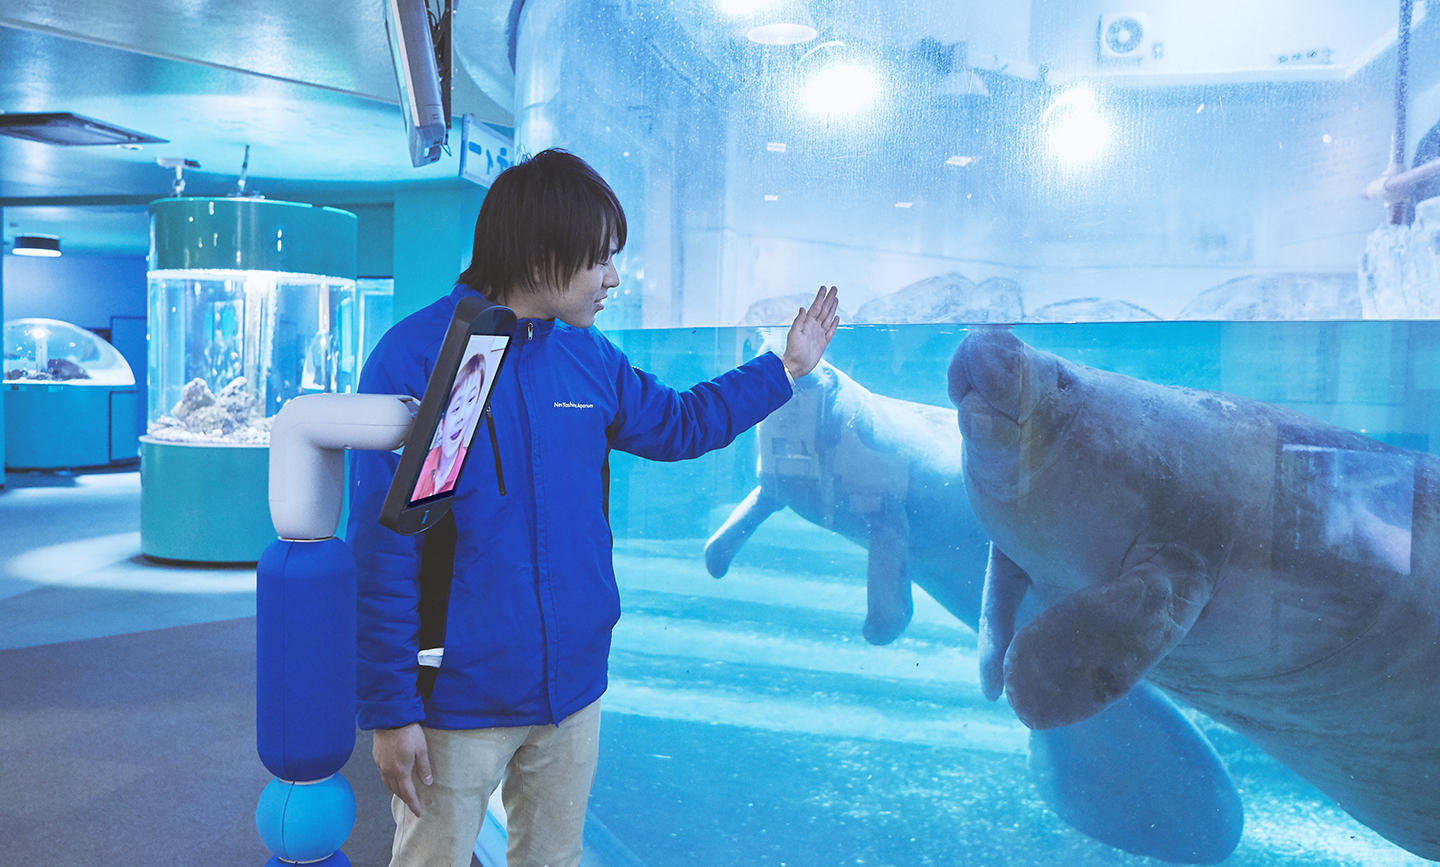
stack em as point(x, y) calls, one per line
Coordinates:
point(548, 771)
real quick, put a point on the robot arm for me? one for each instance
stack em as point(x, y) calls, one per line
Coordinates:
point(307, 463)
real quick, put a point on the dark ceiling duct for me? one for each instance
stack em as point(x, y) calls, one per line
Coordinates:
point(64, 128)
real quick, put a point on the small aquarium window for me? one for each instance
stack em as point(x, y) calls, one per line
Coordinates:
point(52, 351)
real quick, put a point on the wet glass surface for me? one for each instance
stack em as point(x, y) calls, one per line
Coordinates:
point(749, 719)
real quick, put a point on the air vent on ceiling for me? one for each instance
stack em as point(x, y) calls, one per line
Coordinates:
point(64, 128)
point(1123, 36)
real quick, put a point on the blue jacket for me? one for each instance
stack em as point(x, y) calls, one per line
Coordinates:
point(533, 598)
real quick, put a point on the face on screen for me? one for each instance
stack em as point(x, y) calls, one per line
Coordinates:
point(460, 416)
point(465, 400)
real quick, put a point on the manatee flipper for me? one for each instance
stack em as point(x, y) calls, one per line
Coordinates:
point(1140, 777)
point(1090, 648)
point(1005, 588)
point(721, 548)
point(890, 604)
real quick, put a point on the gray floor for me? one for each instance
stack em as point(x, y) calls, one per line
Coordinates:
point(127, 694)
point(71, 567)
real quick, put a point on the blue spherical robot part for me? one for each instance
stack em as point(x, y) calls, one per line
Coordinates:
point(305, 822)
point(336, 860)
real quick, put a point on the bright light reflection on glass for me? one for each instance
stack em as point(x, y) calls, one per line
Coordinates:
point(840, 90)
point(1077, 131)
point(740, 7)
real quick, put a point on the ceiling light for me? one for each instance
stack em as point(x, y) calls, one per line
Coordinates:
point(961, 160)
point(64, 128)
point(904, 204)
point(774, 22)
point(775, 147)
point(36, 245)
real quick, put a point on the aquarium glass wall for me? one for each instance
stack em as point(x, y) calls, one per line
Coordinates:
point(229, 348)
point(1204, 211)
point(1030, 161)
point(755, 716)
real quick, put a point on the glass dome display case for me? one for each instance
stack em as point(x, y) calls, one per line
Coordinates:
point(252, 302)
point(67, 394)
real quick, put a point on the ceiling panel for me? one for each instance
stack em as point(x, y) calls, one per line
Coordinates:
point(337, 44)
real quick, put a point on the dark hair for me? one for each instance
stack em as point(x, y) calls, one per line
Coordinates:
point(544, 218)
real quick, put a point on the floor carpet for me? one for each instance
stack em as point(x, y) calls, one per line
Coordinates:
point(139, 750)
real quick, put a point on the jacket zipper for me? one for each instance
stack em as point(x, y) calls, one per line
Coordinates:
point(490, 423)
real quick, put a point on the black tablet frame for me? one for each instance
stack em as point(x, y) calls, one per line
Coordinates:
point(473, 316)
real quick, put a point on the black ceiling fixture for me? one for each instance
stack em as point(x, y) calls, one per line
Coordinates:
point(64, 128)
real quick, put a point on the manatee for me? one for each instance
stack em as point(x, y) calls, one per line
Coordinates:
point(1274, 572)
point(886, 474)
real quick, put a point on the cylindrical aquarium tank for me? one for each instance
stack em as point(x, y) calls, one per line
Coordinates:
point(252, 302)
point(68, 397)
point(1175, 193)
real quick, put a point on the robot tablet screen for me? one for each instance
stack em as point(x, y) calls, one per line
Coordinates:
point(455, 398)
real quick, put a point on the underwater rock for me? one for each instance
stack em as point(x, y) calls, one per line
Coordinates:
point(56, 370)
point(193, 395)
point(887, 474)
point(948, 298)
point(63, 369)
point(1271, 297)
point(203, 416)
point(1091, 310)
point(235, 400)
point(1277, 573)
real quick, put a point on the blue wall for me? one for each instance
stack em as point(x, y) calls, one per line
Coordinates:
point(85, 290)
point(434, 230)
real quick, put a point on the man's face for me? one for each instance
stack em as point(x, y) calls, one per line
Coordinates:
point(584, 295)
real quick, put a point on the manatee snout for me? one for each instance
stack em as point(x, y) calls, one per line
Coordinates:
point(990, 364)
point(987, 385)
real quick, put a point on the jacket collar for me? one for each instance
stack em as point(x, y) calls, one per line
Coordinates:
point(463, 290)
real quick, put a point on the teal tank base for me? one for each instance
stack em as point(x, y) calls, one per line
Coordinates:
point(206, 503)
point(55, 426)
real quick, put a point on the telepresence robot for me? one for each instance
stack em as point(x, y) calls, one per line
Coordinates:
point(305, 580)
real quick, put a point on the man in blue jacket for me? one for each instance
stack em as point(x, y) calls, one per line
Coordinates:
point(532, 597)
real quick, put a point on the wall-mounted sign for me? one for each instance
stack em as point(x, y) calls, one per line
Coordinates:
point(485, 151)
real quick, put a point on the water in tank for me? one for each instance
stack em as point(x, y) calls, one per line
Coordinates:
point(228, 348)
point(1222, 201)
point(51, 351)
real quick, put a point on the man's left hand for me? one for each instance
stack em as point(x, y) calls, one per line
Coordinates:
point(810, 333)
